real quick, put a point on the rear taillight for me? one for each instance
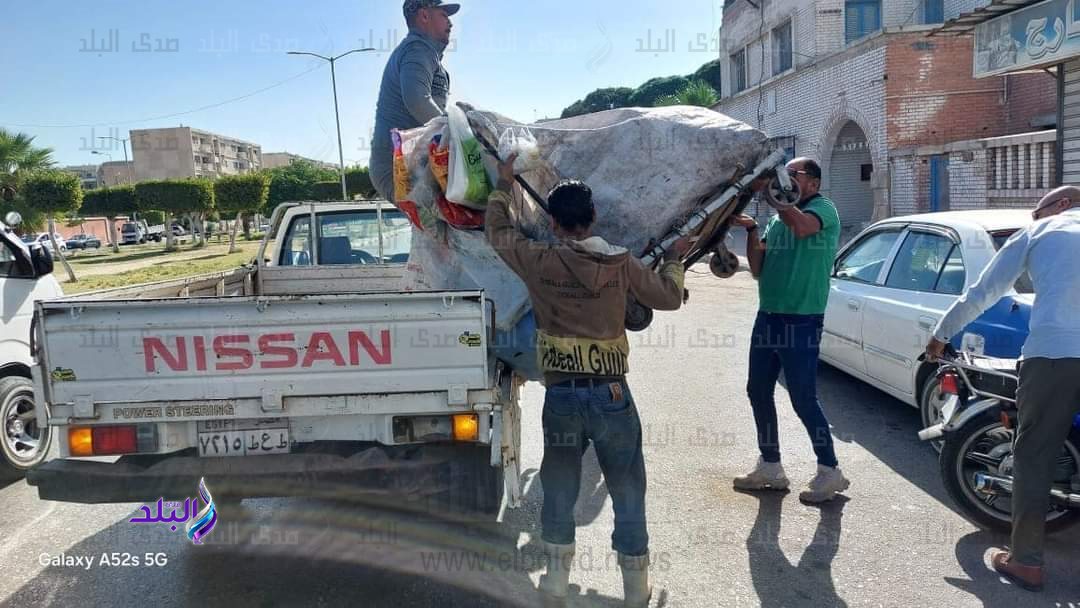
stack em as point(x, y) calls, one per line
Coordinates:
point(950, 384)
point(112, 440)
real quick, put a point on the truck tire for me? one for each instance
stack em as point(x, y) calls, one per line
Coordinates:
point(24, 443)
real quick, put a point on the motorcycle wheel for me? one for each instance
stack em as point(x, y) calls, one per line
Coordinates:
point(983, 445)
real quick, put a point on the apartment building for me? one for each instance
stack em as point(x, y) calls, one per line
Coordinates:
point(87, 174)
point(894, 115)
point(115, 173)
point(187, 152)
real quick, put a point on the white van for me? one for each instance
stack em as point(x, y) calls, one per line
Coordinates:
point(25, 277)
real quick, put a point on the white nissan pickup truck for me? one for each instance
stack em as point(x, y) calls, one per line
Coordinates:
point(309, 372)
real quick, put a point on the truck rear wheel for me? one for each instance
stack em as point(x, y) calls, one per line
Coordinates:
point(25, 444)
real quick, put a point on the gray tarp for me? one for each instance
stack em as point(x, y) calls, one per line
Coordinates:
point(648, 168)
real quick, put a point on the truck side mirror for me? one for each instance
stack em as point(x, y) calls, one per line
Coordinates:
point(42, 261)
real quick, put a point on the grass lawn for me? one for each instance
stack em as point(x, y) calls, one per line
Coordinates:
point(136, 264)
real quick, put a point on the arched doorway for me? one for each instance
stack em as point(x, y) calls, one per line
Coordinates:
point(851, 171)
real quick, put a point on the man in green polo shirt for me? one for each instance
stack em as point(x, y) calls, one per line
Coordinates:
point(792, 260)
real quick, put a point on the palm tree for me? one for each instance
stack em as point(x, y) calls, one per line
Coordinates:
point(697, 93)
point(18, 158)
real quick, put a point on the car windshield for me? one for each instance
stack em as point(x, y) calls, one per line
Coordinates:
point(1023, 284)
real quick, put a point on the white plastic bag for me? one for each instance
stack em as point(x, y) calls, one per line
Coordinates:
point(520, 141)
point(468, 183)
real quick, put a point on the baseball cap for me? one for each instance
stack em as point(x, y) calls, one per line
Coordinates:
point(411, 7)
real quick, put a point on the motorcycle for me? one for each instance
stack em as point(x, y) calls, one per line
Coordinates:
point(979, 421)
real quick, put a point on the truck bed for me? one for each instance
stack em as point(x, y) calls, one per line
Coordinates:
point(224, 357)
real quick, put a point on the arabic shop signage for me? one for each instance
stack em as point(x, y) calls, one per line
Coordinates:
point(1039, 35)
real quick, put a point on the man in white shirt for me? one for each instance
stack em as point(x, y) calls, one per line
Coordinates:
point(1048, 397)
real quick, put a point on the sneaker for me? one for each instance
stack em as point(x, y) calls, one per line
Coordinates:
point(765, 476)
point(825, 485)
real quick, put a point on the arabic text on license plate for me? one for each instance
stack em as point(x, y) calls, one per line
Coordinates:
point(252, 442)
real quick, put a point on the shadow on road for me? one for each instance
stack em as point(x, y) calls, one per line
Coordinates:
point(776, 580)
point(273, 552)
point(888, 429)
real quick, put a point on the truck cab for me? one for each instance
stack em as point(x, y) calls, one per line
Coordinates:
point(25, 278)
point(355, 246)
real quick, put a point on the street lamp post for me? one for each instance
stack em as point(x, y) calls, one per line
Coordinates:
point(102, 173)
point(337, 115)
point(126, 161)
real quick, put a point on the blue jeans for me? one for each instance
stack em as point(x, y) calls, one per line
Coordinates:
point(573, 416)
point(791, 343)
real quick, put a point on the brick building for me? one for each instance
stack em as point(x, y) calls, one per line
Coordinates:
point(895, 117)
point(1012, 37)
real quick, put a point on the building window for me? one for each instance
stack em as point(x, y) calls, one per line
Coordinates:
point(933, 11)
point(781, 49)
point(738, 71)
point(861, 18)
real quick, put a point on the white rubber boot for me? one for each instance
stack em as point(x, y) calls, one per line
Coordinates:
point(556, 579)
point(635, 580)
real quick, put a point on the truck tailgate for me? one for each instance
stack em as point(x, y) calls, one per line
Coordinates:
point(207, 351)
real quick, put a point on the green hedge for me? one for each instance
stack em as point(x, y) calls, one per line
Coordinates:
point(53, 193)
point(241, 193)
point(109, 202)
point(176, 196)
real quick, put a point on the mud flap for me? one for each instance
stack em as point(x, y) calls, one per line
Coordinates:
point(508, 427)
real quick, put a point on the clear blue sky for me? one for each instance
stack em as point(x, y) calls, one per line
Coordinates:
point(526, 60)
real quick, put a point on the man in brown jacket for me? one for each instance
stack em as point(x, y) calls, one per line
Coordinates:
point(578, 287)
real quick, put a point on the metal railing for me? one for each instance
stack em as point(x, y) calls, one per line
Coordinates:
point(1021, 165)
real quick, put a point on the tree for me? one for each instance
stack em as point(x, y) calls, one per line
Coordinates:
point(18, 158)
point(177, 197)
point(646, 95)
point(109, 203)
point(358, 182)
point(600, 100)
point(53, 193)
point(697, 93)
point(294, 182)
point(712, 73)
point(18, 155)
point(241, 194)
point(326, 191)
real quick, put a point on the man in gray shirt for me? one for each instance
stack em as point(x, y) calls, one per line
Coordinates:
point(415, 85)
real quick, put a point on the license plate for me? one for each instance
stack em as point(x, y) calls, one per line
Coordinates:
point(220, 438)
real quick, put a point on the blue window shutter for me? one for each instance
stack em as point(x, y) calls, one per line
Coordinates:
point(861, 18)
point(934, 11)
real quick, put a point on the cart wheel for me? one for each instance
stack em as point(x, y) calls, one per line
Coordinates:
point(778, 198)
point(638, 317)
point(724, 264)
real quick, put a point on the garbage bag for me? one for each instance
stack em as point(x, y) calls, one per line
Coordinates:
point(649, 170)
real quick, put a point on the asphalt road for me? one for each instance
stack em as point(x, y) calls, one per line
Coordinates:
point(895, 540)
